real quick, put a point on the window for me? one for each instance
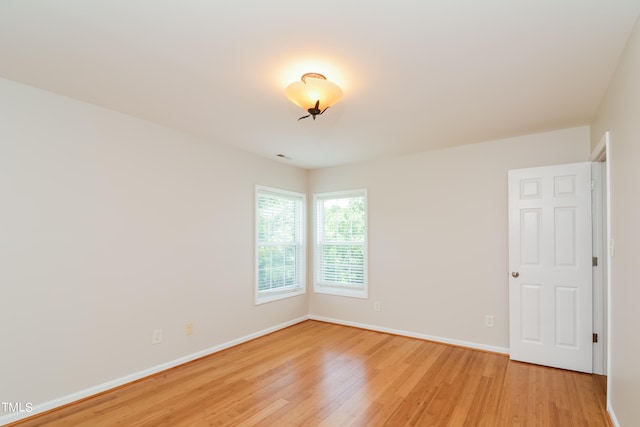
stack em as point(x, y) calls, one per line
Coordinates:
point(341, 243)
point(280, 244)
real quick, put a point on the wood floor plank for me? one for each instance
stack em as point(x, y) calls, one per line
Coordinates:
point(321, 374)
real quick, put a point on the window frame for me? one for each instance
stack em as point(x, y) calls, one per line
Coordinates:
point(264, 296)
point(340, 289)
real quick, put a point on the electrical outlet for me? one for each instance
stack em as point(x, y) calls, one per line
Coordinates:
point(156, 336)
point(377, 306)
point(488, 321)
point(188, 329)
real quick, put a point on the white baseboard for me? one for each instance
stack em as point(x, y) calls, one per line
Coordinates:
point(459, 343)
point(612, 416)
point(82, 394)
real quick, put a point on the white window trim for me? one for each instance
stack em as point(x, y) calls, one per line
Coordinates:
point(262, 297)
point(337, 289)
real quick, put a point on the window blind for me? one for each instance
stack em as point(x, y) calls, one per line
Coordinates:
point(341, 239)
point(279, 241)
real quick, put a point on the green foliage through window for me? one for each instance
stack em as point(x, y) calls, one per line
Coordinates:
point(341, 239)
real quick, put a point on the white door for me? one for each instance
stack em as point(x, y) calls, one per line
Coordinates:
point(550, 295)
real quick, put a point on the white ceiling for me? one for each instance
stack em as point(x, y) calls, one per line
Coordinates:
point(416, 75)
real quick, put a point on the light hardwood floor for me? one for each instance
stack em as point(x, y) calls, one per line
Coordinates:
point(319, 374)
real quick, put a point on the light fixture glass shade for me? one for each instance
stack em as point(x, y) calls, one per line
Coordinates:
point(313, 88)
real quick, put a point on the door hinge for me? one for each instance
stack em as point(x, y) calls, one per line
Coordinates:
point(594, 261)
point(595, 337)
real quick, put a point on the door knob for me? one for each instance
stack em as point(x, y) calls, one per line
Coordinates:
point(515, 274)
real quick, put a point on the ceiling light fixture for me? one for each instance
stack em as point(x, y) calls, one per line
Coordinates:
point(314, 93)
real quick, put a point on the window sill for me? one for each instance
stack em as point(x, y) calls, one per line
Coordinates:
point(343, 291)
point(265, 297)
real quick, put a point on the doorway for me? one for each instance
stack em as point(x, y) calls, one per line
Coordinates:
point(602, 251)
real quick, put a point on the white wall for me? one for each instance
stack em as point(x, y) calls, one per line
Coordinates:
point(111, 227)
point(438, 235)
point(620, 114)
